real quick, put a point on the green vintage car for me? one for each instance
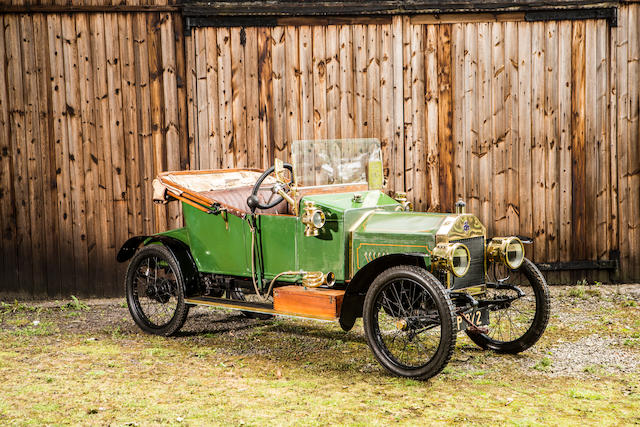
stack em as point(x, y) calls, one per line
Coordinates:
point(319, 239)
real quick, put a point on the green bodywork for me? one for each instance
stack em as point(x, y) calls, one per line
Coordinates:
point(355, 233)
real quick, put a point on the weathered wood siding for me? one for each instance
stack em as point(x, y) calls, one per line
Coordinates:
point(535, 124)
point(90, 112)
point(513, 117)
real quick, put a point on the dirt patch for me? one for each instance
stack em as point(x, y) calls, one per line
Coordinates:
point(96, 367)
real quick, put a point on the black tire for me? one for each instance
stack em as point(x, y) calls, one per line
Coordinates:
point(155, 287)
point(526, 318)
point(418, 304)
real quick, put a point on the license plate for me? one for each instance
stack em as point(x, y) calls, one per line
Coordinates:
point(479, 317)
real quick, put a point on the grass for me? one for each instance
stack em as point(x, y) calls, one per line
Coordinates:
point(285, 372)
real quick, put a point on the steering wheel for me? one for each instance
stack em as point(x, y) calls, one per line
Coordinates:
point(254, 203)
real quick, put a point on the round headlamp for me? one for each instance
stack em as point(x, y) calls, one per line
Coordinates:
point(508, 250)
point(452, 256)
point(318, 218)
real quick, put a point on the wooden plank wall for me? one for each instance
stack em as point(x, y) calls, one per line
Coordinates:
point(513, 117)
point(535, 125)
point(92, 107)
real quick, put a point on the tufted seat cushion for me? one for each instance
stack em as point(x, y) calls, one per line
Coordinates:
point(236, 198)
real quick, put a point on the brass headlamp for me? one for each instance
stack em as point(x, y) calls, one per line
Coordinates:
point(508, 250)
point(313, 218)
point(453, 257)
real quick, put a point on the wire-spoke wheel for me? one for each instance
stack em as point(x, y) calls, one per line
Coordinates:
point(409, 322)
point(155, 291)
point(516, 322)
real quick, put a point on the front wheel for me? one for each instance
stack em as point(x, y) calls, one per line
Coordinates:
point(155, 291)
point(409, 322)
point(516, 322)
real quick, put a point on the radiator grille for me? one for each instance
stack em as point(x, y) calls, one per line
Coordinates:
point(475, 275)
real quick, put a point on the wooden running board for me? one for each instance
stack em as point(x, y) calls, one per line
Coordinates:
point(261, 307)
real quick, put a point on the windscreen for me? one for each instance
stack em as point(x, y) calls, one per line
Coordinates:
point(337, 161)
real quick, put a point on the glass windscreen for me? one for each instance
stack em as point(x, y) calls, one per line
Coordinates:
point(337, 161)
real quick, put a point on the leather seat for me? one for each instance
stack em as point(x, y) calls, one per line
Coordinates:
point(235, 199)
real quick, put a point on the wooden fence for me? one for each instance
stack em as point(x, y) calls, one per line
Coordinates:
point(534, 124)
point(90, 112)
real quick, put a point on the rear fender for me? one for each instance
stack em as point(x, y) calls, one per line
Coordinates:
point(180, 251)
point(358, 286)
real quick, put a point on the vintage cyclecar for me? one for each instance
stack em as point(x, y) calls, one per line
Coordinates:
point(319, 239)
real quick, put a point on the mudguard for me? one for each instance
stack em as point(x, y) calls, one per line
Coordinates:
point(356, 291)
point(179, 250)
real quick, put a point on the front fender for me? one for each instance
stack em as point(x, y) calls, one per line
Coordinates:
point(180, 251)
point(358, 286)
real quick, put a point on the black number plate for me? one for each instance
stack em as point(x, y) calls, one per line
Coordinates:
point(479, 317)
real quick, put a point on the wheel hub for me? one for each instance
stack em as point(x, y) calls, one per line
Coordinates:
point(160, 291)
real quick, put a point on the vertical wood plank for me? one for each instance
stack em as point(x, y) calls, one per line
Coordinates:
point(387, 104)
point(130, 124)
point(483, 155)
point(612, 141)
point(603, 151)
point(181, 76)
point(305, 40)
point(564, 144)
point(279, 98)
point(578, 249)
point(154, 45)
point(265, 89)
point(431, 112)
point(170, 112)
point(360, 80)
point(7, 250)
point(446, 147)
point(145, 140)
point(459, 124)
point(80, 250)
point(539, 163)
point(373, 81)
point(499, 193)
point(551, 130)
point(409, 158)
point(346, 63)
point(118, 167)
point(470, 118)
point(622, 135)
point(192, 110)
point(416, 164)
point(238, 96)
point(333, 82)
point(47, 156)
point(19, 155)
point(292, 78)
point(524, 131)
point(95, 242)
point(590, 141)
point(512, 131)
point(103, 148)
point(252, 95)
point(33, 171)
point(206, 87)
point(225, 101)
point(633, 163)
point(398, 105)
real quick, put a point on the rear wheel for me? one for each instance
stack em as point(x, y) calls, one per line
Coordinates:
point(409, 322)
point(155, 291)
point(516, 322)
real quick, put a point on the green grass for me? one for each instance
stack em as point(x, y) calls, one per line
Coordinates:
point(288, 372)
